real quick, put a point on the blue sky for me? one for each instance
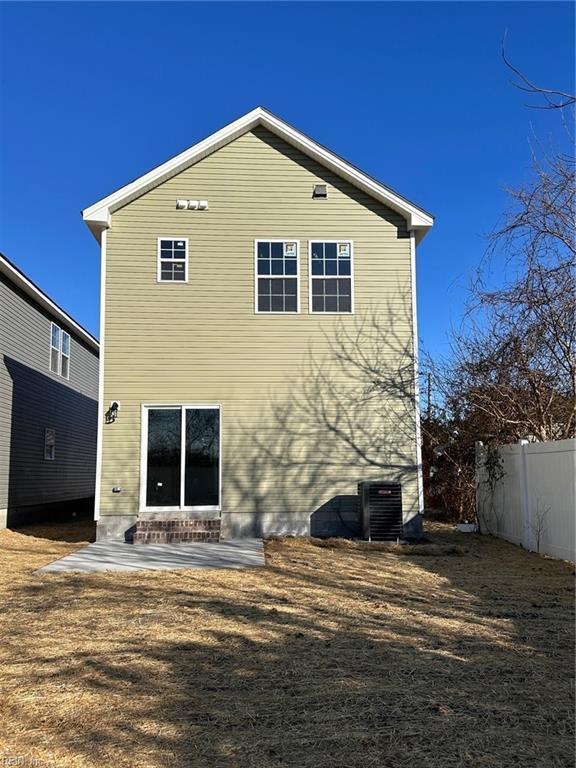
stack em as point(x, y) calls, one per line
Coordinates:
point(94, 94)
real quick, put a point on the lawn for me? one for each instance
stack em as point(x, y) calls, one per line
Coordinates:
point(458, 653)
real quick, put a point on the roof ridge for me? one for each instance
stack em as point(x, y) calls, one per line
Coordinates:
point(98, 215)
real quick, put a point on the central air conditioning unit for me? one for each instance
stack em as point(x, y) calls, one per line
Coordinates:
point(380, 510)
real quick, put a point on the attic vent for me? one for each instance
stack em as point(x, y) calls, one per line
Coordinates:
point(192, 205)
point(320, 192)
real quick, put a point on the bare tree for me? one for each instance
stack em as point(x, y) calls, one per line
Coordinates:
point(538, 525)
point(553, 99)
point(512, 370)
point(515, 353)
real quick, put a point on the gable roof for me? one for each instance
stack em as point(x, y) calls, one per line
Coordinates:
point(98, 215)
point(19, 279)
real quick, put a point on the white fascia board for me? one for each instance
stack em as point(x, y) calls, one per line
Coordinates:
point(416, 217)
point(98, 215)
point(20, 280)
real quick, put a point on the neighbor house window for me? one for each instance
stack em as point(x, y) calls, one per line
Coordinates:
point(49, 444)
point(331, 276)
point(277, 275)
point(172, 260)
point(55, 349)
point(59, 351)
point(65, 355)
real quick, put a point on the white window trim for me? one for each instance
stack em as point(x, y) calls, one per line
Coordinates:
point(256, 275)
point(159, 260)
point(62, 355)
point(53, 457)
point(52, 326)
point(58, 349)
point(323, 277)
point(144, 456)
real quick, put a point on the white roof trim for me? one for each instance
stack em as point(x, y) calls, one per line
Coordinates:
point(98, 215)
point(20, 280)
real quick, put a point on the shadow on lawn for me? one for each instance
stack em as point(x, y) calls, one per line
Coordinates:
point(327, 658)
point(332, 658)
point(80, 529)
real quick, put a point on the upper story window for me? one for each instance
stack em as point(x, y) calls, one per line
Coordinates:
point(172, 260)
point(59, 351)
point(277, 275)
point(331, 276)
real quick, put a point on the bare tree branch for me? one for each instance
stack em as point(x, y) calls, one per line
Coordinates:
point(554, 99)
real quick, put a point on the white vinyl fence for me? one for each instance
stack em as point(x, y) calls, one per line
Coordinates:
point(525, 493)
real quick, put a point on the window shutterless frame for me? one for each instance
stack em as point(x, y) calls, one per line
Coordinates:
point(60, 343)
point(182, 407)
point(159, 260)
point(283, 276)
point(55, 341)
point(312, 277)
point(65, 355)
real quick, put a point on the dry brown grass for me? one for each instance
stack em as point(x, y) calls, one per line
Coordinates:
point(334, 656)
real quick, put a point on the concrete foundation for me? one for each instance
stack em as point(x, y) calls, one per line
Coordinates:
point(413, 528)
point(326, 522)
point(116, 527)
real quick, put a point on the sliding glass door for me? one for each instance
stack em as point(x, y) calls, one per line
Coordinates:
point(164, 464)
point(182, 459)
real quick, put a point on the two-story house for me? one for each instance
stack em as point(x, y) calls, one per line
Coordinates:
point(236, 279)
point(48, 405)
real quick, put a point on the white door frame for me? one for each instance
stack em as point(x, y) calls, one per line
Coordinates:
point(145, 407)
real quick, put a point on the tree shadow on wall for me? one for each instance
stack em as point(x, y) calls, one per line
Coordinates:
point(349, 416)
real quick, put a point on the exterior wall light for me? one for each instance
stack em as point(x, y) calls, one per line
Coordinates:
point(112, 412)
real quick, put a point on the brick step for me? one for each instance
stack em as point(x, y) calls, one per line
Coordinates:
point(176, 531)
point(170, 525)
point(174, 538)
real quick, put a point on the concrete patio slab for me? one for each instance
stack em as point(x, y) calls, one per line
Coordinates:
point(118, 556)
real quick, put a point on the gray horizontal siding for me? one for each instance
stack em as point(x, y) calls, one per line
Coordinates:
point(32, 398)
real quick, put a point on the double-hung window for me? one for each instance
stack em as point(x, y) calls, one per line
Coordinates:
point(172, 260)
point(59, 351)
point(277, 274)
point(331, 276)
point(65, 355)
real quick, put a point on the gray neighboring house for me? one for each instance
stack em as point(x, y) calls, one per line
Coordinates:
point(48, 405)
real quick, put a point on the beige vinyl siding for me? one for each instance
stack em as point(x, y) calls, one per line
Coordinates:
point(202, 342)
